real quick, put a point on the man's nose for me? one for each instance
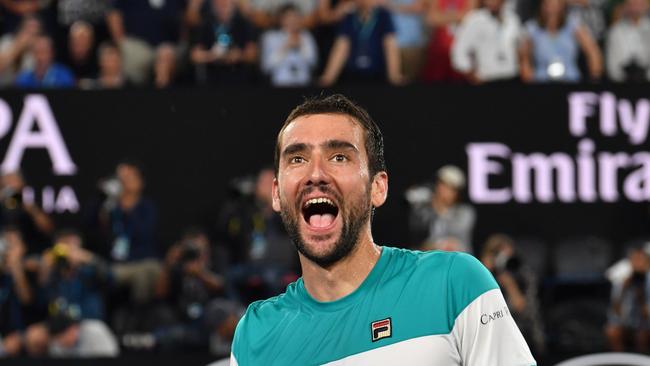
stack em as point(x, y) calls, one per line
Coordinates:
point(318, 173)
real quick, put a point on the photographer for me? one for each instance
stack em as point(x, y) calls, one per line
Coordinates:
point(15, 292)
point(628, 317)
point(126, 221)
point(518, 284)
point(73, 278)
point(188, 286)
point(34, 225)
point(438, 219)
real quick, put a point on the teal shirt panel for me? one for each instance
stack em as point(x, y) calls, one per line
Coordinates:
point(422, 293)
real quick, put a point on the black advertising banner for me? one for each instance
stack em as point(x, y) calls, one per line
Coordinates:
point(544, 161)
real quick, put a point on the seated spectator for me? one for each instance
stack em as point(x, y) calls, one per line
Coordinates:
point(628, 44)
point(225, 50)
point(165, 68)
point(46, 73)
point(485, 45)
point(518, 284)
point(265, 14)
point(15, 293)
point(34, 225)
point(628, 317)
point(73, 278)
point(15, 50)
point(409, 30)
point(138, 27)
point(366, 48)
point(443, 16)
point(81, 56)
point(550, 48)
point(111, 75)
point(73, 338)
point(439, 220)
point(289, 54)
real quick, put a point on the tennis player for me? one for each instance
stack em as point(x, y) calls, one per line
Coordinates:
point(359, 303)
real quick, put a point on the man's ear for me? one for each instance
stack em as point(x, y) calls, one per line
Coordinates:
point(275, 195)
point(379, 189)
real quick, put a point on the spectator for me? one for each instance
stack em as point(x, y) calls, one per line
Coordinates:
point(165, 68)
point(81, 55)
point(366, 47)
point(265, 14)
point(485, 46)
point(110, 75)
point(73, 278)
point(628, 44)
point(439, 220)
point(628, 315)
point(72, 338)
point(128, 221)
point(188, 284)
point(444, 16)
point(263, 257)
point(15, 55)
point(225, 51)
point(552, 42)
point(34, 225)
point(289, 54)
point(518, 284)
point(15, 292)
point(46, 73)
point(409, 30)
point(138, 27)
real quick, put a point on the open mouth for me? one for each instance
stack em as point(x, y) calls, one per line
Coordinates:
point(320, 212)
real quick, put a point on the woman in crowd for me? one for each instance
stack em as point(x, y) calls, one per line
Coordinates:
point(550, 49)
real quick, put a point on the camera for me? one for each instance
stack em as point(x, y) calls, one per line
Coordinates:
point(190, 252)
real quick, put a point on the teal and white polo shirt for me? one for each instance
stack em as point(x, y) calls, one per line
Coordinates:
point(414, 308)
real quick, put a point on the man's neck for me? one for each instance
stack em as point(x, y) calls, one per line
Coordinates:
point(345, 276)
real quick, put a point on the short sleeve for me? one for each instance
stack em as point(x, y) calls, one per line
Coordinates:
point(484, 330)
point(346, 26)
point(385, 23)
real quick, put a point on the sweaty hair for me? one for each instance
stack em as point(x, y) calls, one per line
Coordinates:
point(339, 104)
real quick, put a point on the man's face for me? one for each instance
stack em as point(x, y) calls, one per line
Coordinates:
point(130, 178)
point(43, 53)
point(323, 190)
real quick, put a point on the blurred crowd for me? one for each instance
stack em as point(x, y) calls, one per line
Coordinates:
point(108, 285)
point(106, 44)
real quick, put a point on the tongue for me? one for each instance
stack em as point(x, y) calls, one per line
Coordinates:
point(321, 220)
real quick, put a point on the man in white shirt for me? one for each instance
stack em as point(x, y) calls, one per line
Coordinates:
point(485, 47)
point(628, 44)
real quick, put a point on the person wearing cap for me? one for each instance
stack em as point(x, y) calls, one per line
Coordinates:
point(441, 221)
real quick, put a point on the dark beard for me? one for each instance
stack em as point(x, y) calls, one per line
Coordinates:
point(359, 215)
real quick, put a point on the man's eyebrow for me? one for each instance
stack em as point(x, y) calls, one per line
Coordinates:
point(339, 145)
point(295, 148)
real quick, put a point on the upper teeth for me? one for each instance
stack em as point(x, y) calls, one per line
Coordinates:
point(319, 200)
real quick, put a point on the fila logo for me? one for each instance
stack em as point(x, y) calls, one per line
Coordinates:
point(381, 329)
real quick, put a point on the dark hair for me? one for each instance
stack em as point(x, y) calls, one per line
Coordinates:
point(541, 18)
point(66, 232)
point(339, 104)
point(287, 8)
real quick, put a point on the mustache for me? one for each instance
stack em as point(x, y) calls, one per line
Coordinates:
point(322, 189)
